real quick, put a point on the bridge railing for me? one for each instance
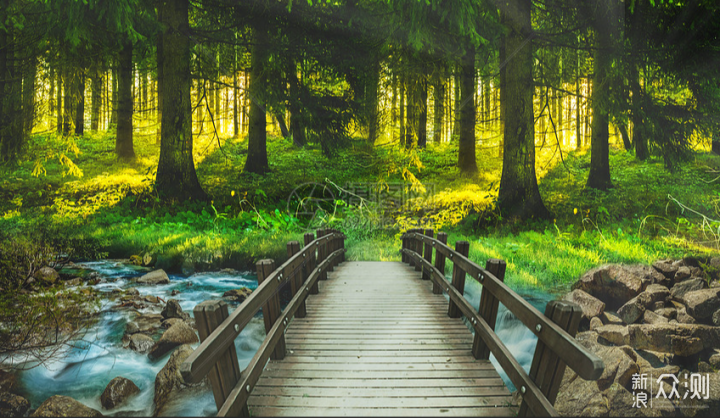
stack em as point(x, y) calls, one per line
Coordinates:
point(216, 357)
point(556, 348)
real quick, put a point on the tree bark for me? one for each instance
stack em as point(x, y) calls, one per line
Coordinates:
point(401, 106)
point(257, 159)
point(410, 107)
point(466, 150)
point(518, 194)
point(295, 105)
point(159, 62)
point(371, 97)
point(69, 100)
point(176, 177)
point(29, 97)
point(422, 114)
point(599, 177)
point(80, 107)
point(114, 116)
point(59, 101)
point(236, 91)
point(4, 117)
point(715, 145)
point(96, 86)
point(124, 139)
point(284, 131)
point(439, 108)
point(456, 104)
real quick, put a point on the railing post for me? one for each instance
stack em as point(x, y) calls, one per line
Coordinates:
point(296, 281)
point(439, 262)
point(342, 245)
point(428, 253)
point(411, 246)
point(458, 278)
point(226, 372)
point(547, 368)
point(488, 307)
point(322, 252)
point(404, 257)
point(335, 244)
point(310, 266)
point(271, 310)
point(418, 248)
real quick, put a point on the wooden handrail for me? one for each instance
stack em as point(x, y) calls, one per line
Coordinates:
point(586, 364)
point(202, 360)
point(537, 402)
point(239, 395)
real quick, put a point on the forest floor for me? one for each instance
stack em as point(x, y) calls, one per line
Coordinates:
point(77, 189)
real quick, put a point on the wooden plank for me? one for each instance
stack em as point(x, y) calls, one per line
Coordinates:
point(299, 357)
point(410, 393)
point(379, 374)
point(349, 367)
point(439, 353)
point(383, 412)
point(378, 383)
point(379, 402)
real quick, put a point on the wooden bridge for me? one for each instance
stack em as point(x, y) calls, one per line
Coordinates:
point(380, 339)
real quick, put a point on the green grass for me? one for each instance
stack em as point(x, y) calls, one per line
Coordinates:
point(112, 203)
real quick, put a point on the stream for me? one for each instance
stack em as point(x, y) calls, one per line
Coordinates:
point(100, 356)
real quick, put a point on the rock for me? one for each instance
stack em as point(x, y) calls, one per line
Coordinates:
point(12, 405)
point(175, 292)
point(155, 277)
point(132, 291)
point(679, 339)
point(595, 323)
point(47, 275)
point(64, 406)
point(683, 317)
point(169, 380)
point(681, 274)
point(668, 313)
point(714, 358)
point(170, 322)
point(616, 334)
point(702, 303)
point(652, 294)
point(7, 381)
point(616, 284)
point(146, 323)
point(679, 290)
point(73, 282)
point(650, 317)
point(716, 318)
point(117, 392)
point(631, 311)
point(609, 318)
point(172, 309)
point(136, 260)
point(238, 295)
point(141, 343)
point(591, 306)
point(667, 269)
point(151, 299)
point(178, 334)
point(187, 268)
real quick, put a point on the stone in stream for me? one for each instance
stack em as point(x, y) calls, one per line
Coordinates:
point(141, 343)
point(12, 405)
point(178, 334)
point(144, 323)
point(47, 275)
point(173, 309)
point(64, 406)
point(169, 382)
point(155, 277)
point(590, 305)
point(117, 392)
point(238, 295)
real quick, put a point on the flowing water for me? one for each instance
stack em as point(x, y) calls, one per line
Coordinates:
point(100, 356)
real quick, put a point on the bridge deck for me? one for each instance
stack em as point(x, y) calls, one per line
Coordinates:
point(376, 341)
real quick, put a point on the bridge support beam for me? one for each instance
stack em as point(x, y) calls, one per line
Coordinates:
point(310, 266)
point(458, 278)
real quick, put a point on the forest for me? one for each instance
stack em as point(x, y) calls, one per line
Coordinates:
point(199, 135)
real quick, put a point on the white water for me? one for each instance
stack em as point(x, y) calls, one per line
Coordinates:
point(100, 357)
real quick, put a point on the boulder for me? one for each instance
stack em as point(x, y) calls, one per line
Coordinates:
point(173, 309)
point(117, 392)
point(653, 294)
point(178, 334)
point(609, 318)
point(7, 381)
point(631, 311)
point(169, 381)
point(175, 292)
point(679, 290)
point(702, 303)
point(716, 318)
point(616, 284)
point(141, 343)
point(667, 269)
point(170, 322)
point(616, 334)
point(590, 305)
point(650, 317)
point(47, 275)
point(12, 405)
point(64, 406)
point(151, 299)
point(679, 339)
point(75, 281)
point(682, 317)
point(148, 259)
point(595, 323)
point(238, 295)
point(668, 313)
point(155, 277)
point(132, 291)
point(145, 323)
point(681, 274)
point(136, 260)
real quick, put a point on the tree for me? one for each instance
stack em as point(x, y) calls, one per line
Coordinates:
point(466, 151)
point(176, 178)
point(518, 195)
point(257, 159)
point(124, 137)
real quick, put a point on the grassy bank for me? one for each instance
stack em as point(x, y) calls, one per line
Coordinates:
point(649, 214)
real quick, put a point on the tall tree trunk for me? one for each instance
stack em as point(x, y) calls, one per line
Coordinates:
point(114, 116)
point(280, 118)
point(410, 108)
point(257, 159)
point(295, 105)
point(637, 115)
point(622, 127)
point(176, 178)
point(439, 108)
point(159, 62)
point(124, 139)
point(605, 26)
point(466, 150)
point(236, 91)
point(393, 103)
point(80, 109)
point(29, 97)
point(715, 143)
point(143, 90)
point(69, 100)
point(578, 101)
point(51, 94)
point(96, 86)
point(4, 58)
point(59, 101)
point(518, 194)
point(244, 107)
point(401, 131)
point(422, 113)
point(456, 103)
point(216, 90)
point(371, 99)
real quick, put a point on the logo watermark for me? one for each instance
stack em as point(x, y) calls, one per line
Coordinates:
point(697, 386)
